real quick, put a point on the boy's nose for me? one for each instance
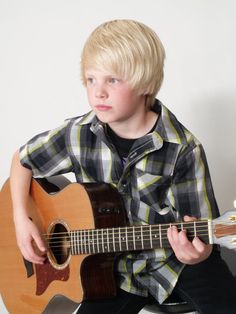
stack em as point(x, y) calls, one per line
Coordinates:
point(100, 92)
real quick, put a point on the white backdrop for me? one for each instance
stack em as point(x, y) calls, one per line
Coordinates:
point(40, 46)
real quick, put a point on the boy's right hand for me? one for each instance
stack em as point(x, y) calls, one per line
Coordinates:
point(27, 235)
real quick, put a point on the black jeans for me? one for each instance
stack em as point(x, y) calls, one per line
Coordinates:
point(209, 286)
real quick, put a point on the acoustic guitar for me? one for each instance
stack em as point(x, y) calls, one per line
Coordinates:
point(85, 227)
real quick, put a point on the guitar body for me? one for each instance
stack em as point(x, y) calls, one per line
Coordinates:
point(28, 288)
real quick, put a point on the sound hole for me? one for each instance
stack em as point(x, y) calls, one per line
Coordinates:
point(59, 244)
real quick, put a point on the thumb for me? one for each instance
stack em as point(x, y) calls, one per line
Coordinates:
point(40, 243)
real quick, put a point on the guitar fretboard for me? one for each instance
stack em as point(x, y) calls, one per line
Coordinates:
point(142, 237)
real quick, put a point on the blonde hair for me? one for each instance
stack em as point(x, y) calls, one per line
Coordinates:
point(129, 49)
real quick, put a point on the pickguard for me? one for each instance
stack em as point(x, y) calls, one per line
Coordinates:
point(46, 273)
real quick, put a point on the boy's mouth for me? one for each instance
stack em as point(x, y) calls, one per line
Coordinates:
point(103, 107)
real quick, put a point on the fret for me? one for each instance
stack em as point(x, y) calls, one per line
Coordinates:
point(108, 241)
point(89, 249)
point(98, 251)
point(141, 229)
point(150, 236)
point(93, 240)
point(102, 241)
point(113, 240)
point(210, 232)
point(195, 230)
point(120, 240)
point(84, 241)
point(126, 236)
point(134, 238)
point(90, 241)
point(78, 242)
point(160, 236)
point(182, 226)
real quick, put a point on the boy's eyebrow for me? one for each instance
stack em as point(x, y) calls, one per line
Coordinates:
point(105, 76)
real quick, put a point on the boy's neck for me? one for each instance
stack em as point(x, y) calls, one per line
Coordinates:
point(137, 128)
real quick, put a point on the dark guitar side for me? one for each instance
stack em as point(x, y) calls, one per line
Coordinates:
point(97, 271)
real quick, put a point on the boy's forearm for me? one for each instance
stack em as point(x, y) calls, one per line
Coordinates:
point(20, 179)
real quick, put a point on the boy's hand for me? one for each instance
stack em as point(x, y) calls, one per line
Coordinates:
point(186, 251)
point(27, 235)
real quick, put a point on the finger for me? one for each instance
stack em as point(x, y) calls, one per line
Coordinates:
point(31, 253)
point(182, 247)
point(189, 218)
point(172, 234)
point(198, 245)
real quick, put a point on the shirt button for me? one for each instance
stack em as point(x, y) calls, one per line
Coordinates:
point(123, 186)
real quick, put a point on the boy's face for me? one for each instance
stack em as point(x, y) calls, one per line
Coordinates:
point(111, 98)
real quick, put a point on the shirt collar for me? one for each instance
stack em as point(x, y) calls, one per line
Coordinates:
point(168, 127)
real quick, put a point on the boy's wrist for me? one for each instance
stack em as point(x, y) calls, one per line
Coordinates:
point(20, 214)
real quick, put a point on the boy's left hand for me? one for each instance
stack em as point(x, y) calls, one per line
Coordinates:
point(188, 252)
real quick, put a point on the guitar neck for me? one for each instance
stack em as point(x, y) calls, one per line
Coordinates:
point(141, 237)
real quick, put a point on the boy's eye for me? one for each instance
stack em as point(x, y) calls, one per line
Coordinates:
point(90, 80)
point(113, 80)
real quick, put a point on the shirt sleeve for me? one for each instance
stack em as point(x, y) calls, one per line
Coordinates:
point(46, 154)
point(191, 189)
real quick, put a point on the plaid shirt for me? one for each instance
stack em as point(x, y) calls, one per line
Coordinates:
point(164, 178)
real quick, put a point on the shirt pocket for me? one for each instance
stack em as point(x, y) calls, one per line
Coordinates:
point(154, 205)
point(151, 187)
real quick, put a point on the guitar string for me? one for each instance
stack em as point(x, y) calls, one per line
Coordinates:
point(167, 225)
point(115, 240)
point(80, 243)
point(115, 231)
point(111, 231)
point(98, 248)
point(102, 240)
point(86, 248)
point(118, 235)
point(129, 229)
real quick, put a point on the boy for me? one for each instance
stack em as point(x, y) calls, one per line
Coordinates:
point(135, 143)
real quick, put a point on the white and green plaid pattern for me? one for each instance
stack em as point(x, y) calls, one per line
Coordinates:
point(165, 177)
